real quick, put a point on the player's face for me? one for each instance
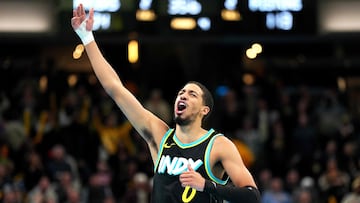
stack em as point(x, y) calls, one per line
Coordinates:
point(188, 104)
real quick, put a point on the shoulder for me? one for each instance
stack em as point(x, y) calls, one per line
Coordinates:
point(221, 139)
point(223, 145)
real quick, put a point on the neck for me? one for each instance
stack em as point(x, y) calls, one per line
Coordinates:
point(189, 133)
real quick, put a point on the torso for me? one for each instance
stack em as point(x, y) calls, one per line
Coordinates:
point(173, 158)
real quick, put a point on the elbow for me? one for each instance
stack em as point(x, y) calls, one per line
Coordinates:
point(113, 89)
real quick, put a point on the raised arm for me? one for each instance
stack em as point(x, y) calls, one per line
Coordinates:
point(150, 127)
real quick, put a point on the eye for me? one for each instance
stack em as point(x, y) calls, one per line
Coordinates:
point(193, 94)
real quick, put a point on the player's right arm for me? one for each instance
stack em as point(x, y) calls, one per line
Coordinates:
point(150, 127)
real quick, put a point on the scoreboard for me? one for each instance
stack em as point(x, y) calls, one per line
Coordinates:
point(205, 16)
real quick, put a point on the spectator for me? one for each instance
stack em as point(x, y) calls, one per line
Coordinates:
point(333, 182)
point(43, 192)
point(158, 105)
point(59, 162)
point(276, 192)
point(354, 195)
point(34, 170)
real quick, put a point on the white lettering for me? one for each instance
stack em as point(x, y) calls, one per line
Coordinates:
point(184, 7)
point(104, 5)
point(230, 4)
point(180, 166)
point(282, 20)
point(177, 165)
point(275, 5)
point(102, 21)
point(145, 4)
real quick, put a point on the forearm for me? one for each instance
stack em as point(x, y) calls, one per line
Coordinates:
point(102, 69)
point(232, 193)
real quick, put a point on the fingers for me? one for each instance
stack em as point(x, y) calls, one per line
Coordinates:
point(81, 10)
point(187, 176)
point(79, 15)
point(91, 14)
point(78, 9)
point(190, 168)
point(185, 180)
point(90, 20)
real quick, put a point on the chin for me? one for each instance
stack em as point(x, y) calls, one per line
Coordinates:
point(180, 121)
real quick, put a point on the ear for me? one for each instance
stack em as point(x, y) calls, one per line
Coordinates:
point(205, 110)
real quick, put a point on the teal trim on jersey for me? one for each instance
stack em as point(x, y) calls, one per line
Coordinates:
point(161, 147)
point(196, 142)
point(207, 162)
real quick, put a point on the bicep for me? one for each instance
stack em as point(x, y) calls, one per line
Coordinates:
point(234, 165)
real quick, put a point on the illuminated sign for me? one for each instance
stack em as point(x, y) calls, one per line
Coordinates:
point(225, 16)
point(102, 11)
point(184, 7)
point(278, 12)
point(145, 4)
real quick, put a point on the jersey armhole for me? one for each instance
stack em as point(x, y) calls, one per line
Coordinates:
point(161, 147)
point(225, 179)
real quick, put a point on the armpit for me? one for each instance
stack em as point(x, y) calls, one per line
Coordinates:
point(149, 138)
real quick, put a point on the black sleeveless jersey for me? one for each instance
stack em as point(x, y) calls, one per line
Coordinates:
point(173, 159)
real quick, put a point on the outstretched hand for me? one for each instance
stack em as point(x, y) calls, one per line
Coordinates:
point(193, 179)
point(79, 16)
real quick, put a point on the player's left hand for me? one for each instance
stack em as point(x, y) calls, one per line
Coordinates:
point(193, 179)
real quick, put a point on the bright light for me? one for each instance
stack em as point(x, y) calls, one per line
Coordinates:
point(278, 12)
point(43, 83)
point(339, 16)
point(248, 79)
point(230, 4)
point(25, 17)
point(102, 16)
point(257, 48)
point(145, 15)
point(133, 51)
point(145, 4)
point(104, 5)
point(102, 21)
point(230, 15)
point(184, 7)
point(275, 5)
point(78, 51)
point(251, 54)
point(204, 23)
point(72, 80)
point(282, 20)
point(183, 23)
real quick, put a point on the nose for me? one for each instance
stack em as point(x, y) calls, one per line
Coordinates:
point(183, 97)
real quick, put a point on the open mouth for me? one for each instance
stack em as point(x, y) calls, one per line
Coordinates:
point(181, 106)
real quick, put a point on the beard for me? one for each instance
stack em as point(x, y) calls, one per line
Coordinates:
point(182, 121)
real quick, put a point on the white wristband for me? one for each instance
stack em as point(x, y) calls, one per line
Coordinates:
point(85, 36)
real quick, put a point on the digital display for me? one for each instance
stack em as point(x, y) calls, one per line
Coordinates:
point(227, 16)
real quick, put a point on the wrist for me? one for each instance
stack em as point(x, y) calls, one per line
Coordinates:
point(85, 36)
point(210, 187)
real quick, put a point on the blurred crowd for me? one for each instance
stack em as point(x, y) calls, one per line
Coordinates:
point(301, 143)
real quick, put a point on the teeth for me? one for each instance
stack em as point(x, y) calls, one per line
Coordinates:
point(181, 106)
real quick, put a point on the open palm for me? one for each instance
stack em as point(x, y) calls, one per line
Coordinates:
point(79, 16)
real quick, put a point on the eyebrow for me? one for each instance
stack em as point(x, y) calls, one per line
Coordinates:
point(190, 91)
point(193, 91)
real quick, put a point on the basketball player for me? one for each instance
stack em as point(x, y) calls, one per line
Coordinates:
point(191, 164)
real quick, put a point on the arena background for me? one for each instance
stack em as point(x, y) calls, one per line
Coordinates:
point(310, 55)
